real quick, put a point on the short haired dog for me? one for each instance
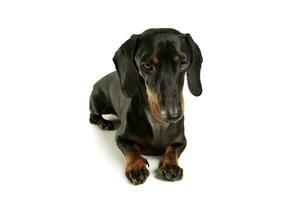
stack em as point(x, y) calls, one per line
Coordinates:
point(145, 92)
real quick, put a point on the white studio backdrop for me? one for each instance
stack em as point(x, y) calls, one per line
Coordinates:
point(239, 131)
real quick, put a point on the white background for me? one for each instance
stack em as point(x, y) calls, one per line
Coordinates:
point(239, 131)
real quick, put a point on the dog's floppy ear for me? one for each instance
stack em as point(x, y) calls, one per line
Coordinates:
point(126, 67)
point(193, 73)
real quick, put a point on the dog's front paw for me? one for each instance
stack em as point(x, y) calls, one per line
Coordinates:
point(136, 171)
point(171, 172)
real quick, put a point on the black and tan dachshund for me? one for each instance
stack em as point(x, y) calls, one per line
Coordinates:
point(146, 94)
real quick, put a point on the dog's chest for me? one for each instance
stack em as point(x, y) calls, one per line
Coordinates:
point(159, 130)
point(158, 138)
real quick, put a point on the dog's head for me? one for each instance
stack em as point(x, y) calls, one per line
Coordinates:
point(161, 57)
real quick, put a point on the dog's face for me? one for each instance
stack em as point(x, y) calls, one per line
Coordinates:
point(161, 57)
point(162, 62)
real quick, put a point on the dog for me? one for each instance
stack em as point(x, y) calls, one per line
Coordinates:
point(145, 93)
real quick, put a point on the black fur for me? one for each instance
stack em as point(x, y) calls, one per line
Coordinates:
point(146, 94)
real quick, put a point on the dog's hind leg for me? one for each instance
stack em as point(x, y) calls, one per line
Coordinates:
point(97, 108)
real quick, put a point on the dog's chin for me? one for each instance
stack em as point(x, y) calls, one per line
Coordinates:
point(173, 120)
point(167, 120)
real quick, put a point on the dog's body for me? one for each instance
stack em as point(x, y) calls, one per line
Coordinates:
point(146, 94)
point(152, 137)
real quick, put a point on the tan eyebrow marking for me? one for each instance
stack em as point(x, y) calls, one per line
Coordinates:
point(155, 60)
point(176, 58)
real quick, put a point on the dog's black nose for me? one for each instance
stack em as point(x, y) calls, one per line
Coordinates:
point(172, 115)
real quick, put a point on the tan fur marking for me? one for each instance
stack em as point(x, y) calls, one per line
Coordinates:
point(182, 103)
point(176, 58)
point(169, 156)
point(155, 60)
point(133, 155)
point(136, 165)
point(134, 161)
point(154, 103)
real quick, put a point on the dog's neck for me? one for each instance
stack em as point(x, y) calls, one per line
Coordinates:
point(159, 128)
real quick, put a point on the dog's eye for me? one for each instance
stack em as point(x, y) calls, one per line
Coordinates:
point(184, 65)
point(147, 66)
